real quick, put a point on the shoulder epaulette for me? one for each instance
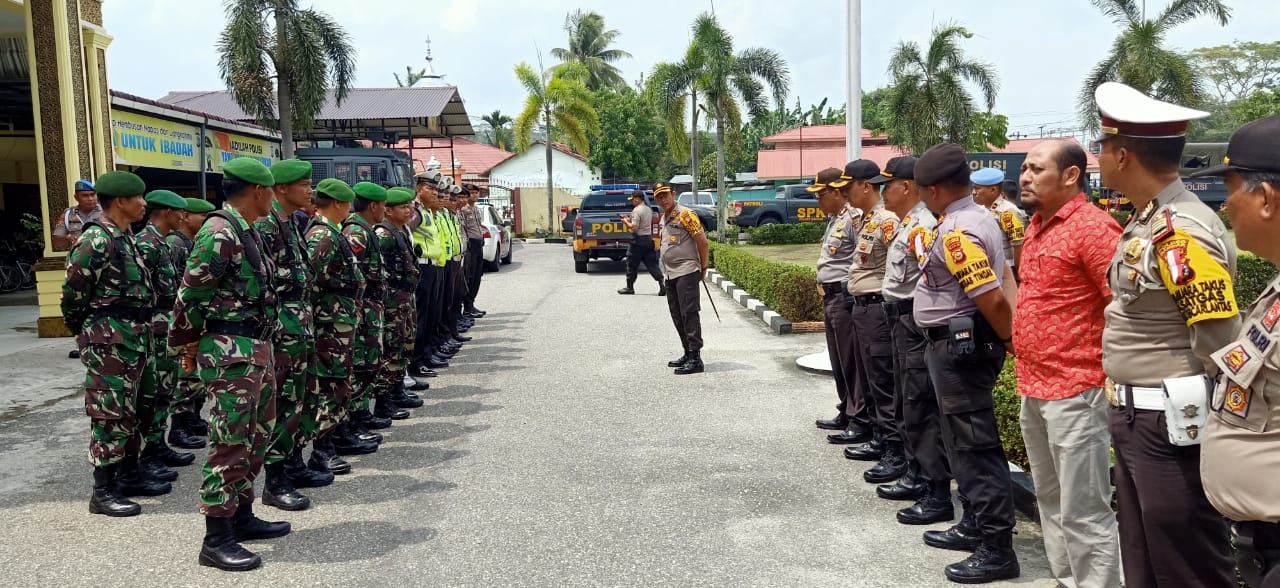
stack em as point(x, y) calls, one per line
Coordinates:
point(1162, 227)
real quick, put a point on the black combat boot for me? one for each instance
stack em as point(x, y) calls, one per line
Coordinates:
point(891, 467)
point(934, 507)
point(182, 431)
point(679, 361)
point(386, 408)
point(324, 458)
point(412, 383)
point(279, 491)
point(662, 288)
point(130, 480)
point(401, 398)
point(993, 560)
point(105, 500)
point(693, 366)
point(345, 443)
point(247, 527)
point(870, 451)
point(167, 456)
point(302, 476)
point(911, 486)
point(364, 424)
point(630, 288)
point(220, 549)
point(963, 536)
point(198, 425)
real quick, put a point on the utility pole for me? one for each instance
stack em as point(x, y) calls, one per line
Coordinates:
point(853, 95)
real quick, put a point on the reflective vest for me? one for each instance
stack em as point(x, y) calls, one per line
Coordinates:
point(426, 238)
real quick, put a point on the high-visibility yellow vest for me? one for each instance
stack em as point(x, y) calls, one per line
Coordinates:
point(426, 237)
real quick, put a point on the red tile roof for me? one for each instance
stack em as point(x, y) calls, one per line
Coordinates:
point(473, 157)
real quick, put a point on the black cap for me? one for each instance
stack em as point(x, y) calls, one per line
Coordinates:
point(941, 162)
point(827, 178)
point(861, 170)
point(636, 194)
point(1253, 147)
point(898, 168)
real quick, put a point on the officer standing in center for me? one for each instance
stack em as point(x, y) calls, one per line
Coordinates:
point(684, 264)
point(1172, 306)
point(968, 321)
point(640, 224)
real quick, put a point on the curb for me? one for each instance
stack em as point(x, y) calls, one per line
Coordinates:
point(775, 322)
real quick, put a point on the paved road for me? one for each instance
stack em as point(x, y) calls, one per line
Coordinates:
point(557, 451)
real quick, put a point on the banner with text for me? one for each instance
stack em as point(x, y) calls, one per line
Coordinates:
point(147, 141)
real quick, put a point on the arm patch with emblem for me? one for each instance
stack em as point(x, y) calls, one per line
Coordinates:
point(967, 262)
point(1013, 226)
point(1200, 286)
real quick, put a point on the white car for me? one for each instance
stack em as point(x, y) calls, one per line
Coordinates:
point(497, 237)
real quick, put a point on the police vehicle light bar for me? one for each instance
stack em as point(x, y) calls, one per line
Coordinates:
point(615, 187)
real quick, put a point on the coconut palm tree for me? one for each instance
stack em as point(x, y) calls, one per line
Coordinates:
point(724, 79)
point(1139, 57)
point(589, 45)
point(562, 102)
point(499, 132)
point(305, 51)
point(928, 100)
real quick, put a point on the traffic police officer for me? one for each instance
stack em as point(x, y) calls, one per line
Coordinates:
point(838, 244)
point(684, 264)
point(640, 224)
point(871, 328)
point(107, 303)
point(187, 428)
point(224, 319)
point(1239, 462)
point(968, 321)
point(402, 273)
point(988, 191)
point(428, 246)
point(1172, 306)
point(370, 209)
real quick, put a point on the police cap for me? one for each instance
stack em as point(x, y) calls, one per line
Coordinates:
point(335, 189)
point(898, 168)
point(987, 176)
point(827, 178)
point(120, 184)
point(370, 191)
point(859, 169)
point(940, 163)
point(1128, 112)
point(166, 199)
point(198, 206)
point(248, 170)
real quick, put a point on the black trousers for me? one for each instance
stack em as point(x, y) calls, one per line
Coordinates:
point(1258, 555)
point(1169, 533)
point(684, 300)
point(875, 367)
point(454, 288)
point(475, 270)
point(428, 306)
point(963, 386)
point(841, 350)
point(917, 405)
point(642, 251)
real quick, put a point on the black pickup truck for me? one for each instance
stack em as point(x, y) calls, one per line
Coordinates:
point(753, 207)
point(598, 230)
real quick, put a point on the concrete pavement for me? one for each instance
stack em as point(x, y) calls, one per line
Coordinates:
point(558, 450)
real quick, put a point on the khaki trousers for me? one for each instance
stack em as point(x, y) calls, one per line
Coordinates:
point(1069, 446)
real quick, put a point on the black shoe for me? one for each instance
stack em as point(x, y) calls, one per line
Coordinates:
point(324, 458)
point(839, 423)
point(907, 487)
point(628, 290)
point(662, 289)
point(417, 386)
point(182, 432)
point(338, 466)
point(279, 491)
point(164, 454)
point(891, 467)
point(474, 313)
point(247, 527)
point(386, 408)
point(462, 338)
point(344, 443)
point(960, 537)
point(463, 328)
point(679, 361)
point(154, 470)
point(422, 371)
point(987, 564)
point(403, 400)
point(302, 476)
point(927, 511)
point(693, 366)
point(849, 437)
point(445, 353)
point(105, 500)
point(130, 480)
point(220, 549)
point(367, 422)
point(436, 362)
point(872, 450)
point(358, 431)
point(73, 354)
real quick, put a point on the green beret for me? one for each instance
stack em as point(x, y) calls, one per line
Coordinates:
point(198, 206)
point(398, 196)
point(336, 189)
point(120, 184)
point(166, 199)
point(250, 170)
point(370, 191)
point(289, 171)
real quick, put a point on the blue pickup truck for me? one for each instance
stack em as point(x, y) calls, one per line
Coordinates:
point(753, 207)
point(598, 231)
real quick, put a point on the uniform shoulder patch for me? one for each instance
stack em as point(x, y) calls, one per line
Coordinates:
point(888, 229)
point(1201, 287)
point(1162, 228)
point(1012, 225)
point(966, 261)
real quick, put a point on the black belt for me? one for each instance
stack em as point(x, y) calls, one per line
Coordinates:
point(937, 333)
point(896, 308)
point(982, 331)
point(479, 240)
point(291, 296)
point(346, 292)
point(137, 314)
point(867, 299)
point(829, 288)
point(166, 303)
point(250, 329)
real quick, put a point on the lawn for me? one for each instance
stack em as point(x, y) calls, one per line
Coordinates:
point(806, 254)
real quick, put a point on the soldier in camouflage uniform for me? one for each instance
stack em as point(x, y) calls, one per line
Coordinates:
point(224, 320)
point(107, 303)
point(401, 319)
point(160, 377)
point(296, 404)
point(188, 429)
point(370, 209)
point(337, 289)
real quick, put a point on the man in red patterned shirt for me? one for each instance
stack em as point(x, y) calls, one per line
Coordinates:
point(1057, 334)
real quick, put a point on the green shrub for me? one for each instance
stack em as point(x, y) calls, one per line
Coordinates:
point(1121, 216)
point(787, 288)
point(789, 234)
point(1008, 407)
point(1226, 220)
point(1252, 276)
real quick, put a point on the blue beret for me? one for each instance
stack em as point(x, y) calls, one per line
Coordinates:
point(987, 176)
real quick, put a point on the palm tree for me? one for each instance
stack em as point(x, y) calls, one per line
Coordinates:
point(564, 105)
point(928, 101)
point(723, 78)
point(307, 53)
point(589, 45)
point(410, 77)
point(499, 133)
point(1139, 58)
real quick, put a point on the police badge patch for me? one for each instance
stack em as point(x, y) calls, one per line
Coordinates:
point(1237, 400)
point(1272, 316)
point(1236, 358)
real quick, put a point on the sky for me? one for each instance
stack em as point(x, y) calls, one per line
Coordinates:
point(1041, 49)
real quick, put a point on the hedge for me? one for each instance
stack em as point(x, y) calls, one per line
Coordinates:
point(789, 234)
point(1008, 408)
point(787, 288)
point(1252, 276)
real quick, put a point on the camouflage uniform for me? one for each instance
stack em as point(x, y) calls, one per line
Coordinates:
point(227, 303)
point(296, 404)
point(161, 374)
point(336, 292)
point(188, 397)
point(107, 302)
point(366, 350)
point(401, 318)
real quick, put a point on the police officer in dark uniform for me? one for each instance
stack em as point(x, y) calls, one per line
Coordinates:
point(967, 319)
point(641, 249)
